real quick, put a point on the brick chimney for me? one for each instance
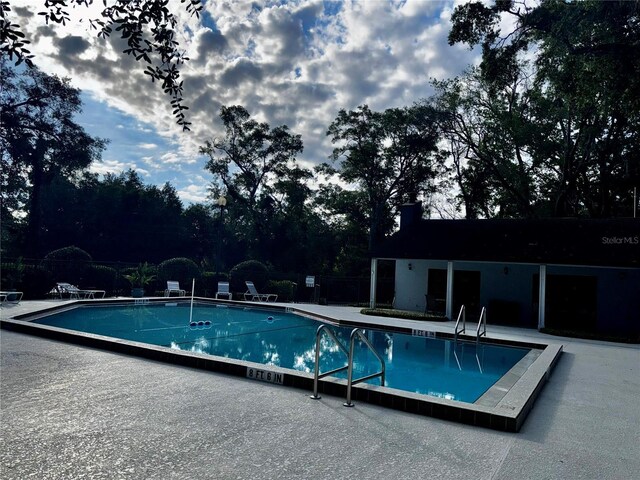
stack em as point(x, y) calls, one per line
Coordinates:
point(410, 213)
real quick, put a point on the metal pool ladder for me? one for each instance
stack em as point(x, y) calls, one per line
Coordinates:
point(482, 325)
point(356, 332)
point(461, 316)
point(350, 381)
point(316, 372)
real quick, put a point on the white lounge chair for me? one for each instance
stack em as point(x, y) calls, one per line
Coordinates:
point(223, 290)
point(174, 287)
point(10, 297)
point(63, 288)
point(252, 294)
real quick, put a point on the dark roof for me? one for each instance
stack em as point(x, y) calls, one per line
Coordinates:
point(597, 242)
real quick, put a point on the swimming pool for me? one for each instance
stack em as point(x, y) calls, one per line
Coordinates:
point(251, 347)
point(451, 370)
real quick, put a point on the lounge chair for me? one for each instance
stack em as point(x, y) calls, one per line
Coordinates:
point(10, 297)
point(174, 287)
point(223, 290)
point(63, 288)
point(252, 294)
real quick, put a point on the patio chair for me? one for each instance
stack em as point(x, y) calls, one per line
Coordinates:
point(223, 290)
point(174, 287)
point(10, 297)
point(252, 294)
point(64, 288)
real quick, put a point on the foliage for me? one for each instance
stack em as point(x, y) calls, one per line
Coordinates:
point(36, 282)
point(118, 218)
point(403, 314)
point(250, 270)
point(285, 289)
point(179, 269)
point(149, 28)
point(389, 155)
point(39, 142)
point(67, 264)
point(101, 277)
point(141, 276)
point(11, 274)
point(573, 71)
point(209, 283)
point(246, 165)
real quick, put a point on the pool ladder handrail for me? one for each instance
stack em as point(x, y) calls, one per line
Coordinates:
point(350, 381)
point(462, 315)
point(482, 325)
point(349, 367)
point(316, 371)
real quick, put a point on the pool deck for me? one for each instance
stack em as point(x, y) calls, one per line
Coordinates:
point(68, 411)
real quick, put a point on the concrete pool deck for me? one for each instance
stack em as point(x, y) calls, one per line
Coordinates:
point(74, 412)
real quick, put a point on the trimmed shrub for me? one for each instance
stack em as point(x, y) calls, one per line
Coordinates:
point(100, 277)
point(208, 285)
point(36, 282)
point(251, 270)
point(179, 269)
point(286, 289)
point(11, 274)
point(403, 314)
point(67, 264)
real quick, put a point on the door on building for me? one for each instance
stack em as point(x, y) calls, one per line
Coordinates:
point(466, 291)
point(437, 290)
point(572, 303)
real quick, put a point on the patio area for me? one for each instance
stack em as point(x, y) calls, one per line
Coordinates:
point(74, 412)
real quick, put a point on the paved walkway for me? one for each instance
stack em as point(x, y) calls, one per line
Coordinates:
point(68, 412)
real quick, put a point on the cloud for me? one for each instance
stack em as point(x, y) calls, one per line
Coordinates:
point(295, 63)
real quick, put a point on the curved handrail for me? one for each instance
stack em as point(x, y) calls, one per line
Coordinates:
point(482, 324)
point(316, 370)
point(350, 381)
point(463, 315)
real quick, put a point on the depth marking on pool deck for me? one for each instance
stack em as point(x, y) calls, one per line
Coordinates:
point(423, 333)
point(265, 375)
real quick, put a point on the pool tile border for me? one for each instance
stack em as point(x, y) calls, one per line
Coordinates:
point(507, 411)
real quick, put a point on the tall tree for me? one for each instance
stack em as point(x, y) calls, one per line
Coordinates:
point(584, 92)
point(246, 164)
point(147, 26)
point(40, 141)
point(390, 156)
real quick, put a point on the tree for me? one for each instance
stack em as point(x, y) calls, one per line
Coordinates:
point(490, 132)
point(148, 26)
point(584, 94)
point(389, 155)
point(246, 164)
point(40, 141)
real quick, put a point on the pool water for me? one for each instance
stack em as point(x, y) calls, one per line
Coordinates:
point(416, 364)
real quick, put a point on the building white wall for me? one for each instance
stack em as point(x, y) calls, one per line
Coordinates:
point(618, 289)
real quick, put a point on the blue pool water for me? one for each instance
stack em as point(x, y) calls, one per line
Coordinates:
point(416, 364)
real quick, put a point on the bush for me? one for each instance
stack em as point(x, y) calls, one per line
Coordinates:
point(404, 314)
point(179, 269)
point(251, 270)
point(11, 274)
point(67, 264)
point(208, 286)
point(36, 282)
point(101, 277)
point(286, 289)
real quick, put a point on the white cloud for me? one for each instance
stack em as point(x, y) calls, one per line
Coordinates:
point(294, 63)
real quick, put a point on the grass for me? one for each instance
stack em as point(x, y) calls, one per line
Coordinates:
point(403, 314)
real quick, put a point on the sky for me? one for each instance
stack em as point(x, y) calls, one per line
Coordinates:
point(294, 63)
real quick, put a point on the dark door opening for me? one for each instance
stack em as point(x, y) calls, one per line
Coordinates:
point(466, 291)
point(437, 290)
point(572, 303)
